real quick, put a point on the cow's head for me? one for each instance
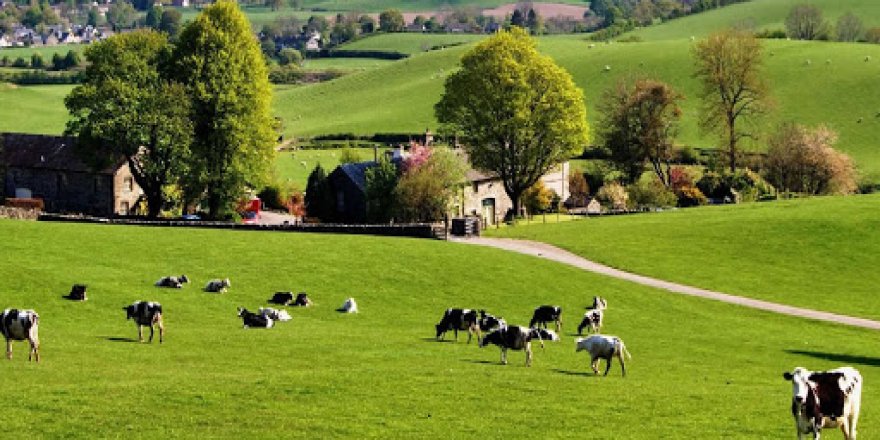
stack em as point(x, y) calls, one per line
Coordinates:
point(226, 283)
point(799, 378)
point(491, 338)
point(440, 329)
point(242, 311)
point(129, 311)
point(183, 279)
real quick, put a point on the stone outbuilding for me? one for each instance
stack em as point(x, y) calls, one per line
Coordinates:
point(47, 168)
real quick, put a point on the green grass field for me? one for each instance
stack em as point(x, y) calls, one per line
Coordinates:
point(700, 369)
point(347, 64)
point(407, 5)
point(46, 51)
point(33, 109)
point(759, 14)
point(817, 253)
point(409, 43)
point(295, 166)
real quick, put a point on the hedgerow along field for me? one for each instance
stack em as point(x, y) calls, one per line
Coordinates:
point(700, 369)
point(819, 253)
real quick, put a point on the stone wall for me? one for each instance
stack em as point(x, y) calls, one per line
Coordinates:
point(19, 213)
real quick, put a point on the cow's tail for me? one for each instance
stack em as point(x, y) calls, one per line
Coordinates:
point(623, 349)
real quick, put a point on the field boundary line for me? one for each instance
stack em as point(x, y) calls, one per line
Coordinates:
point(553, 253)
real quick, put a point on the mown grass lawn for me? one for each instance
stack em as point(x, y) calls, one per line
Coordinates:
point(817, 253)
point(701, 369)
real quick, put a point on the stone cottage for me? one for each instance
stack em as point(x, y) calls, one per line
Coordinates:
point(46, 167)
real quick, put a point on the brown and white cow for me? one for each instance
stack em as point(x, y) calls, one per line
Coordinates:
point(825, 399)
point(146, 313)
point(18, 325)
point(515, 337)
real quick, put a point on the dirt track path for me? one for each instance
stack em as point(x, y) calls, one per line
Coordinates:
point(549, 252)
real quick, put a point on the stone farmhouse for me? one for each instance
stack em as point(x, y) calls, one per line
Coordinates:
point(482, 195)
point(46, 167)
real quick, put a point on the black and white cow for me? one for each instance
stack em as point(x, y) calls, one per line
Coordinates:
point(172, 282)
point(274, 314)
point(488, 322)
point(544, 314)
point(458, 319)
point(302, 300)
point(594, 316)
point(282, 298)
point(77, 293)
point(146, 313)
point(603, 347)
point(251, 319)
point(515, 337)
point(825, 399)
point(217, 286)
point(20, 325)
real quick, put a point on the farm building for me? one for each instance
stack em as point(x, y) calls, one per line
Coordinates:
point(46, 167)
point(482, 195)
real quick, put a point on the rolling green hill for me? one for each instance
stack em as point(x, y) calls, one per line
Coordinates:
point(760, 14)
point(379, 374)
point(409, 43)
point(33, 109)
point(817, 253)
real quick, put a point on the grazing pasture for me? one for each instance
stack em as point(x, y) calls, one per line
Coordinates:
point(700, 369)
point(289, 164)
point(819, 253)
point(409, 42)
point(46, 51)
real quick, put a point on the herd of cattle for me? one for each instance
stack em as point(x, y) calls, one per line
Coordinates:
point(828, 399)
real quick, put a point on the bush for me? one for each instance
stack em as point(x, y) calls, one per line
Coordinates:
point(348, 155)
point(290, 55)
point(650, 194)
point(691, 196)
point(873, 35)
point(772, 33)
point(538, 198)
point(579, 190)
point(614, 195)
point(742, 186)
point(275, 197)
point(803, 160)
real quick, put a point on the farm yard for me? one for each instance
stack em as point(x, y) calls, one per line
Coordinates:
point(699, 368)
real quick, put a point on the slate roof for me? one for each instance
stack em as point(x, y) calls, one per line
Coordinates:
point(36, 151)
point(357, 173)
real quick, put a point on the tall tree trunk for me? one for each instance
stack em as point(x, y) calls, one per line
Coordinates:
point(154, 203)
point(731, 147)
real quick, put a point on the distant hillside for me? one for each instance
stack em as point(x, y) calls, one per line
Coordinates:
point(761, 14)
point(410, 5)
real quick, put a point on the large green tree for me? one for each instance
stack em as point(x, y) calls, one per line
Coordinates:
point(517, 112)
point(639, 121)
point(734, 90)
point(126, 107)
point(219, 60)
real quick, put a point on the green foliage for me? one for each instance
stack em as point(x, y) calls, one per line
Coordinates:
point(805, 22)
point(72, 59)
point(348, 155)
point(381, 185)
point(170, 22)
point(121, 15)
point(744, 185)
point(426, 192)
point(614, 196)
point(127, 107)
point(289, 55)
point(277, 195)
point(690, 195)
point(20, 62)
point(319, 198)
point(519, 113)
point(37, 61)
point(849, 27)
point(804, 160)
point(220, 63)
point(538, 198)
point(391, 20)
point(638, 125)
point(154, 17)
point(649, 194)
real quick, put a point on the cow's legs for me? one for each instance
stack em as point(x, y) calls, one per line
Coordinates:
point(504, 356)
point(35, 349)
point(161, 331)
point(594, 364)
point(140, 333)
point(151, 333)
point(622, 364)
point(528, 354)
point(608, 364)
point(8, 348)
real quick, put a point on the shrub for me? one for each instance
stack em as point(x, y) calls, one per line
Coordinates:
point(348, 155)
point(650, 194)
point(290, 56)
point(742, 186)
point(803, 160)
point(578, 189)
point(614, 195)
point(691, 196)
point(277, 196)
point(20, 62)
point(873, 35)
point(538, 198)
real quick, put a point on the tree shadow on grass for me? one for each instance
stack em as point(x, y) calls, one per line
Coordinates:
point(844, 358)
point(118, 339)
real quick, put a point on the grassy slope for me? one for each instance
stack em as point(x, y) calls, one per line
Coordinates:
point(379, 373)
point(347, 64)
point(46, 52)
point(762, 14)
point(289, 165)
point(33, 109)
point(818, 253)
point(410, 43)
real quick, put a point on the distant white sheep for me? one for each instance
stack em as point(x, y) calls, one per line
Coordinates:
point(607, 68)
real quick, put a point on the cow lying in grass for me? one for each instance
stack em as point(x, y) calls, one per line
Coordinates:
point(217, 286)
point(18, 325)
point(275, 315)
point(516, 337)
point(349, 306)
point(251, 319)
point(594, 316)
point(458, 319)
point(77, 293)
point(172, 282)
point(603, 347)
point(825, 399)
point(146, 313)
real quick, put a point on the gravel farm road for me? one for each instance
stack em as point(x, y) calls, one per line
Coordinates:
point(549, 252)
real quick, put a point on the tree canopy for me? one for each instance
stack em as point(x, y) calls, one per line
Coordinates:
point(517, 112)
point(219, 61)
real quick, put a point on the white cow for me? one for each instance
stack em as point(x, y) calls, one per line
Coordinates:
point(349, 306)
point(19, 325)
point(825, 399)
point(604, 347)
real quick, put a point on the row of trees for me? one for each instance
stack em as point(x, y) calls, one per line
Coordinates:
point(58, 62)
point(191, 117)
point(806, 22)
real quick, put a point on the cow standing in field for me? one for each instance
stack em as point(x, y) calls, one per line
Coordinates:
point(488, 322)
point(146, 313)
point(604, 347)
point(516, 337)
point(18, 325)
point(458, 319)
point(825, 399)
point(544, 314)
point(594, 316)
point(77, 293)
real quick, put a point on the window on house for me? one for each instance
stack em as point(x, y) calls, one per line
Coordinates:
point(476, 187)
point(123, 208)
point(128, 184)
